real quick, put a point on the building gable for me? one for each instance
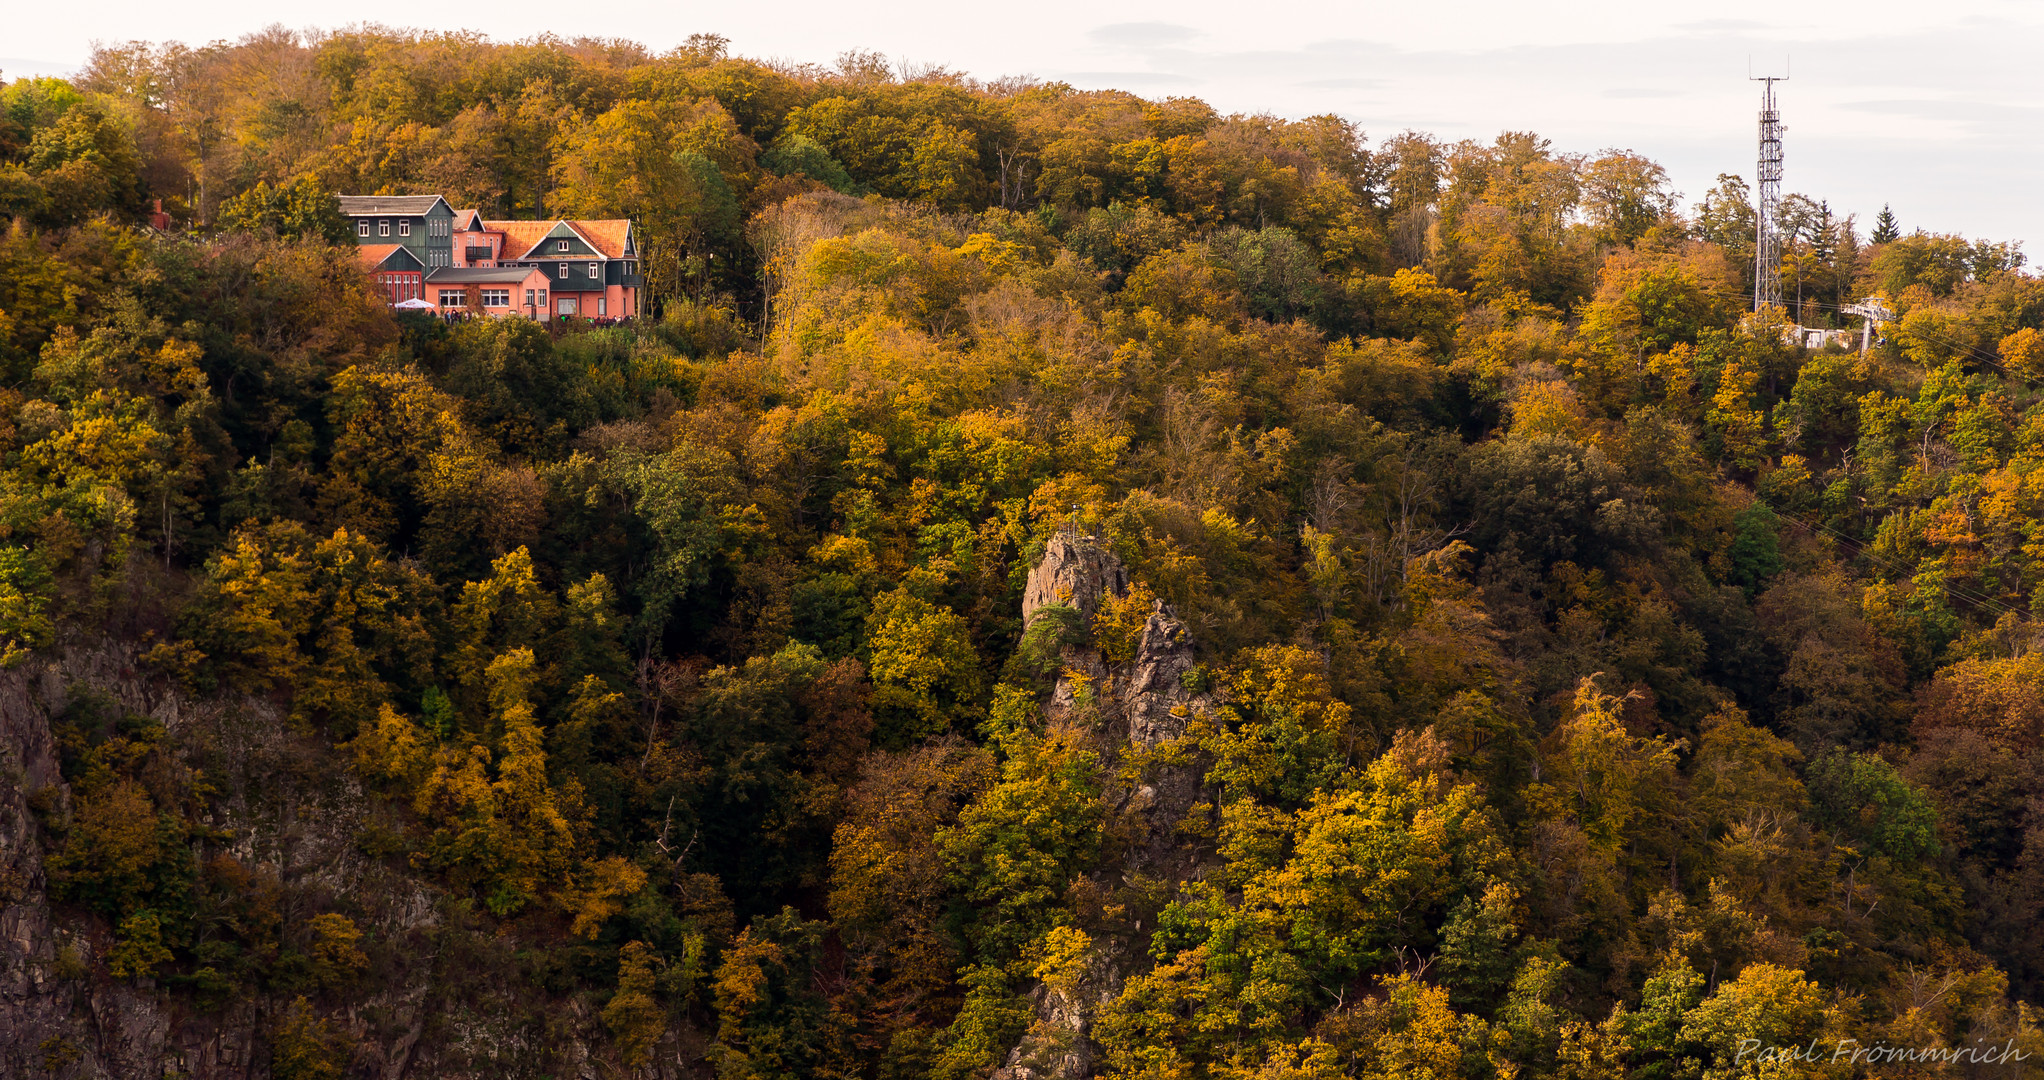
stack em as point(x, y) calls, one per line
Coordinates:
point(563, 241)
point(402, 258)
point(390, 258)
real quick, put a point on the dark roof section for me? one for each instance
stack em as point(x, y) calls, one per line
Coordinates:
point(405, 205)
point(483, 275)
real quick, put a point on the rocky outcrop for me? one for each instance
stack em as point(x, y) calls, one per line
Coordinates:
point(1059, 1044)
point(1076, 572)
point(1165, 692)
point(1134, 709)
point(1159, 702)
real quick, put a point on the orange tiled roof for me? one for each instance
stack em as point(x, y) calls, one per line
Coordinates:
point(372, 255)
point(605, 236)
point(520, 237)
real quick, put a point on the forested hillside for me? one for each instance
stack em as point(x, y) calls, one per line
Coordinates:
point(1069, 585)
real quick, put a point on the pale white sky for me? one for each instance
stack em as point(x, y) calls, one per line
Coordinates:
point(1936, 108)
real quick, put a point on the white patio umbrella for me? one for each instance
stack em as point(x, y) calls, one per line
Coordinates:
point(414, 304)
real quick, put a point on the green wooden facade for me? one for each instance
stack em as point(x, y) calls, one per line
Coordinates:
point(422, 224)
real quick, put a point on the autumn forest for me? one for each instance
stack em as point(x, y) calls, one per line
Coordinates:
point(1057, 584)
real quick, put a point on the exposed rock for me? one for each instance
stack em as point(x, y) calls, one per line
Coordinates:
point(130, 1030)
point(291, 815)
point(1158, 700)
point(1076, 571)
point(1139, 706)
point(41, 1024)
point(1059, 1044)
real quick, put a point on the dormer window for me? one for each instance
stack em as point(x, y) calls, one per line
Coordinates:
point(560, 245)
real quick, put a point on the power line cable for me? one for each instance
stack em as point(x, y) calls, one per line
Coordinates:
point(1860, 550)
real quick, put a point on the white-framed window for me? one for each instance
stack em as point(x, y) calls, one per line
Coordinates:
point(383, 227)
point(528, 298)
point(594, 271)
point(564, 269)
point(630, 268)
point(453, 298)
point(404, 228)
point(362, 227)
point(496, 298)
point(560, 245)
point(602, 305)
point(542, 298)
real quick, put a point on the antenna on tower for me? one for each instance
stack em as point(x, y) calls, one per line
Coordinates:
point(1766, 235)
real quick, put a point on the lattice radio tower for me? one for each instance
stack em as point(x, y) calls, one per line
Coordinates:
point(1766, 240)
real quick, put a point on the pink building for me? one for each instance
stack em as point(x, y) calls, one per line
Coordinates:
point(490, 290)
point(592, 266)
point(585, 268)
point(475, 243)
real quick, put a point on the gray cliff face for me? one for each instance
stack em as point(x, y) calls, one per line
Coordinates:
point(1158, 702)
point(34, 1007)
point(49, 1015)
point(1137, 707)
point(1078, 573)
point(443, 998)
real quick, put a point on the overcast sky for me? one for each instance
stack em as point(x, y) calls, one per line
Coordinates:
point(1935, 108)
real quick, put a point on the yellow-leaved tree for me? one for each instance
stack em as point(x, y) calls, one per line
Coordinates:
point(1598, 774)
point(505, 831)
